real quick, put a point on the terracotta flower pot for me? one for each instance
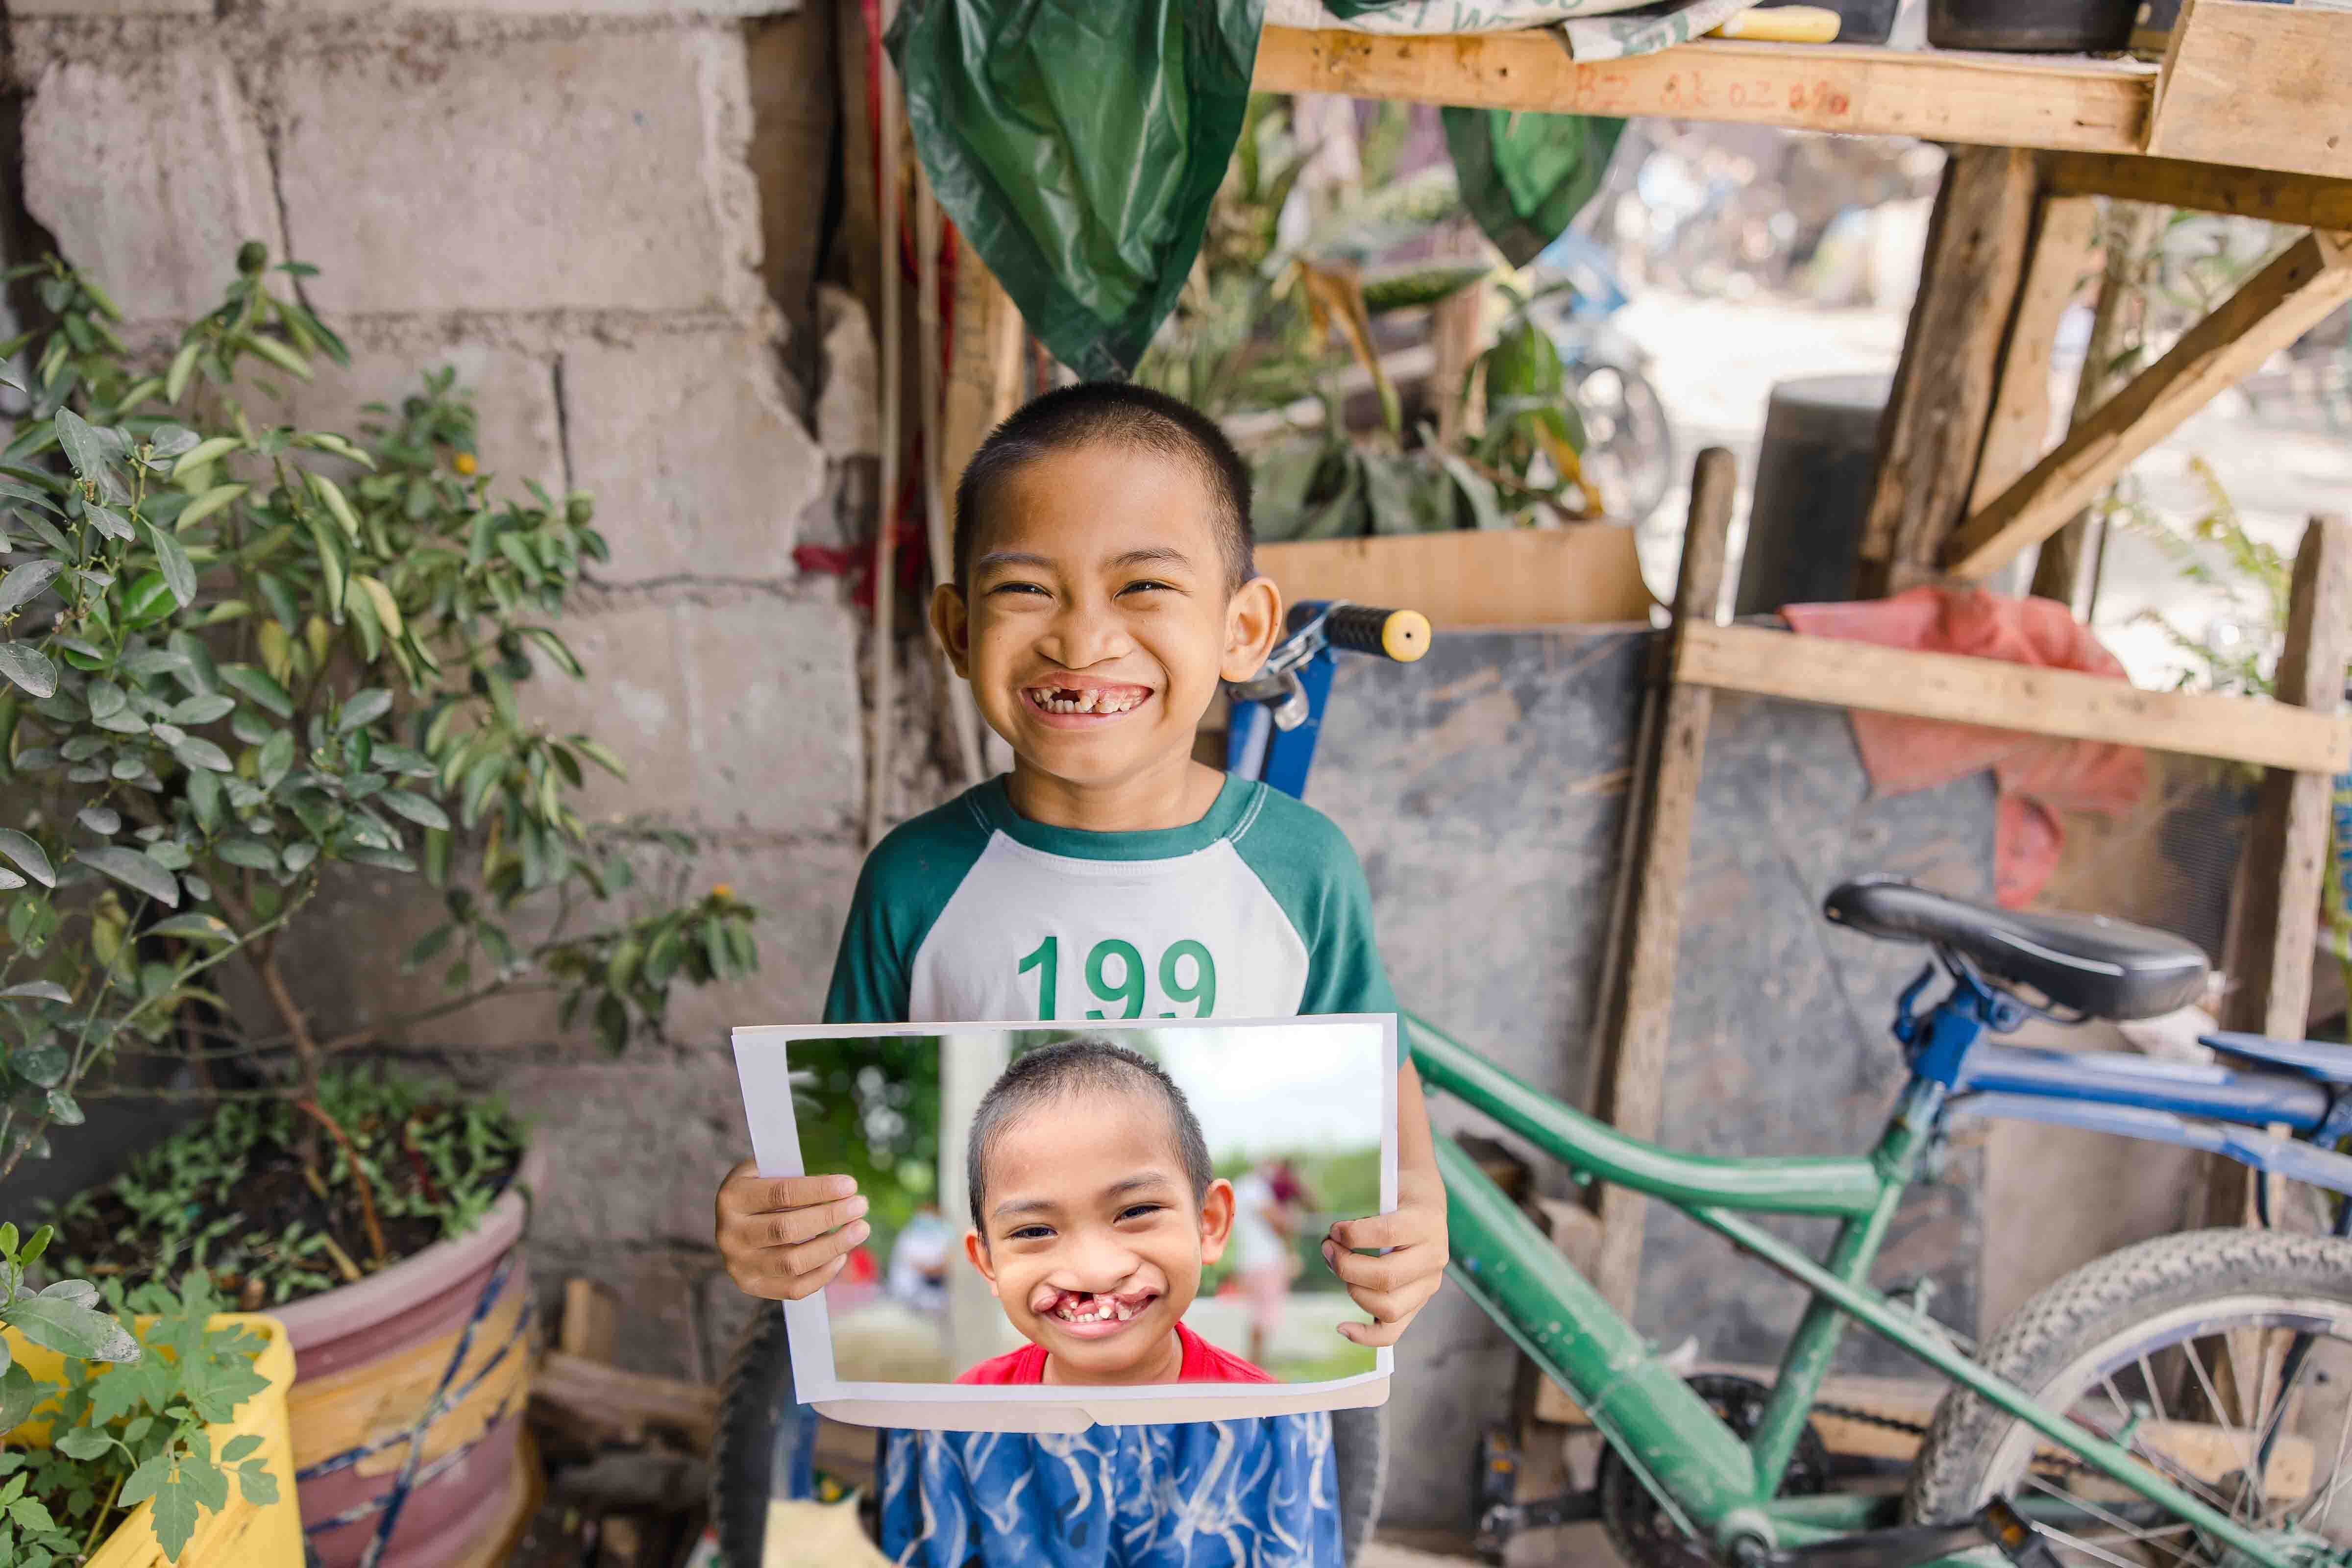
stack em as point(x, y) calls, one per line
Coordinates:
point(408, 1399)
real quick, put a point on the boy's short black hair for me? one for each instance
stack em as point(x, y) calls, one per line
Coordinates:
point(1118, 412)
point(1088, 1062)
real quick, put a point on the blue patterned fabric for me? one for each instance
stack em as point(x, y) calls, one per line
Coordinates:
point(1257, 1493)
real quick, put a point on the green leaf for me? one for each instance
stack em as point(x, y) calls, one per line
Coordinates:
point(134, 870)
point(21, 848)
point(250, 853)
point(45, 1065)
point(417, 808)
point(196, 671)
point(63, 1109)
point(205, 798)
point(258, 685)
point(332, 495)
point(168, 440)
point(29, 1514)
point(148, 600)
point(236, 1448)
point(201, 927)
point(598, 753)
point(84, 1443)
point(205, 505)
point(259, 1486)
point(364, 706)
point(28, 668)
point(277, 758)
point(37, 990)
point(112, 524)
point(196, 751)
point(20, 1391)
point(204, 708)
point(298, 856)
point(82, 447)
point(70, 1328)
point(203, 452)
point(177, 572)
point(24, 583)
point(182, 365)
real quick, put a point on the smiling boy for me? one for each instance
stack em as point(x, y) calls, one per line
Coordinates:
point(1094, 1211)
point(1102, 587)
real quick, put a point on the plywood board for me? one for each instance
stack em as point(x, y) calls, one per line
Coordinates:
point(1999, 696)
point(2000, 100)
point(1586, 574)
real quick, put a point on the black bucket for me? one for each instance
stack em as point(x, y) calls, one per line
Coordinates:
point(2031, 27)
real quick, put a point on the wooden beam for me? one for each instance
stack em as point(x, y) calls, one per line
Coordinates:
point(1630, 1064)
point(2068, 563)
point(625, 1404)
point(2272, 309)
point(2094, 106)
point(1933, 430)
point(2275, 924)
point(2257, 86)
point(2300, 201)
point(2058, 258)
point(1997, 695)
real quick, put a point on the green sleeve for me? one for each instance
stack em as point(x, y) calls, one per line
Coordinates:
point(901, 889)
point(1309, 866)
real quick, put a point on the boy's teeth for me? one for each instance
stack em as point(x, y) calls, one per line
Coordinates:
point(1054, 699)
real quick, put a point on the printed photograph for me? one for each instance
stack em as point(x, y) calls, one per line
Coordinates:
point(1096, 1206)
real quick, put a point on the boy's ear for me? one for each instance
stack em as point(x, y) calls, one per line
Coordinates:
point(951, 625)
point(977, 1250)
point(1216, 1220)
point(1253, 626)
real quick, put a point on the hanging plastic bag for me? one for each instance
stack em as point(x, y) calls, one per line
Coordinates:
point(1526, 177)
point(1076, 145)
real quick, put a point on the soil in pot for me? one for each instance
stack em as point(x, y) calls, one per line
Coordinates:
point(230, 1196)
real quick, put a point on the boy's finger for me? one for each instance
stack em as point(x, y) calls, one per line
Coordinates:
point(814, 1254)
point(1373, 1273)
point(776, 1285)
point(1401, 1227)
point(766, 1195)
point(1393, 1312)
point(792, 1226)
point(1417, 1145)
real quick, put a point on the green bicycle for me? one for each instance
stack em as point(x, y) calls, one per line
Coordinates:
point(2157, 1406)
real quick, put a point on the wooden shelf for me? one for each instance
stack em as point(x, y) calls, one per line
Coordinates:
point(2062, 102)
point(2001, 696)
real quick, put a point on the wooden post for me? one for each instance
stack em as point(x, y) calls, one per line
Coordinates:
point(1630, 1065)
point(2057, 255)
point(2268, 964)
point(2063, 571)
point(1934, 427)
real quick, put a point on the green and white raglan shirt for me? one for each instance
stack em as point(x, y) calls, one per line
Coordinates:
point(972, 913)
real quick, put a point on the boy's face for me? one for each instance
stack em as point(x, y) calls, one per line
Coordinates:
point(1098, 623)
point(1094, 1244)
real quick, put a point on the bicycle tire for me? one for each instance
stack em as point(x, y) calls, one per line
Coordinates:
point(2066, 1327)
point(758, 1418)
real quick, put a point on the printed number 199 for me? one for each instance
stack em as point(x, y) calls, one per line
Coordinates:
point(1114, 972)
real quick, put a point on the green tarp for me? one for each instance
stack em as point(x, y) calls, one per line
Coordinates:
point(1077, 144)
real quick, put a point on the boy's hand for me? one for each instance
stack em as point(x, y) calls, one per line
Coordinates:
point(785, 1236)
point(1396, 1285)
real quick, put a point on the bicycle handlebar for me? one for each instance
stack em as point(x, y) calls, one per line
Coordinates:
point(1398, 635)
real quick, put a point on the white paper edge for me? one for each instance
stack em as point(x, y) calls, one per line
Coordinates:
point(761, 1066)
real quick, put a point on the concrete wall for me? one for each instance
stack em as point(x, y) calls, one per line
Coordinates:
point(606, 215)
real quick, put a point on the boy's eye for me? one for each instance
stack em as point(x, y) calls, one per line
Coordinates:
point(1136, 1210)
point(1149, 585)
point(1029, 1233)
point(1002, 588)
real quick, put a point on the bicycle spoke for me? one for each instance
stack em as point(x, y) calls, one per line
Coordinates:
point(2130, 1531)
point(2335, 1476)
point(2221, 1418)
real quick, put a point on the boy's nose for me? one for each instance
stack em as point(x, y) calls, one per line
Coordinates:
point(1085, 635)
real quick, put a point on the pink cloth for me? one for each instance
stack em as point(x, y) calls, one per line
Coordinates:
point(2038, 776)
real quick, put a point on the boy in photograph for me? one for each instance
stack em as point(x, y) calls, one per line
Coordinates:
point(1102, 587)
point(1094, 1211)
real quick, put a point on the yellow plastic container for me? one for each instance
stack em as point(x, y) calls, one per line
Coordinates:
point(242, 1534)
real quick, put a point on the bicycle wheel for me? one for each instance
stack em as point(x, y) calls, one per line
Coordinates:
point(1629, 449)
point(765, 1444)
point(2223, 1359)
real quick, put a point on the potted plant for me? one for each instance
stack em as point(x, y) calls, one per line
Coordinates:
point(237, 657)
point(118, 1449)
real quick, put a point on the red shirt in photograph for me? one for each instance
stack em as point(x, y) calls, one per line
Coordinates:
point(1204, 1362)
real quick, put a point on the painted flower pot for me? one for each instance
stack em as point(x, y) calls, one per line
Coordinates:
point(408, 1400)
point(242, 1534)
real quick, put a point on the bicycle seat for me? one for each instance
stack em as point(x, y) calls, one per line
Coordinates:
point(2090, 964)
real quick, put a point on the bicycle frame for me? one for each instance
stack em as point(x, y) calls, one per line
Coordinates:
point(1715, 1485)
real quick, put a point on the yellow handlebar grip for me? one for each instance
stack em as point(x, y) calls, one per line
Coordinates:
point(1404, 636)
